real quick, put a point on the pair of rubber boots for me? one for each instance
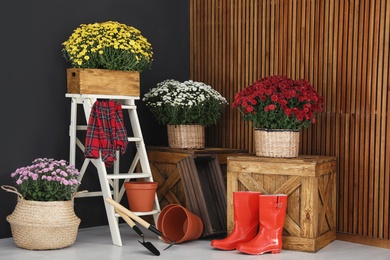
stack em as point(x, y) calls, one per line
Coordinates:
point(258, 223)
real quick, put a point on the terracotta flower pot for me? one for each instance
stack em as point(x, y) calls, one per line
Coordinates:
point(141, 195)
point(179, 224)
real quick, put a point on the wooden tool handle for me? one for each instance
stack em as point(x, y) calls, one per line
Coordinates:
point(130, 222)
point(128, 212)
point(126, 218)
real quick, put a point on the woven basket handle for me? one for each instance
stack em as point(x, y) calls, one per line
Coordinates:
point(77, 192)
point(12, 189)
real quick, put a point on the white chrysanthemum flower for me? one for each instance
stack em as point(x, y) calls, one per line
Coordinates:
point(188, 102)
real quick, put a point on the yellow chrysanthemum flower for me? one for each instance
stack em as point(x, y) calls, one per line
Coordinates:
point(108, 45)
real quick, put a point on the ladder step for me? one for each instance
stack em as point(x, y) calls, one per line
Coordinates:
point(89, 194)
point(130, 139)
point(128, 107)
point(134, 139)
point(153, 212)
point(121, 176)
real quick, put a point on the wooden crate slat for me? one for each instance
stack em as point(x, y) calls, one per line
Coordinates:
point(310, 210)
point(197, 176)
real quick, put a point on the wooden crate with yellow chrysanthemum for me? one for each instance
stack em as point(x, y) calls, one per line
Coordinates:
point(106, 58)
point(103, 82)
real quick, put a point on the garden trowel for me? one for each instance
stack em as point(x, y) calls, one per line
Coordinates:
point(142, 222)
point(131, 223)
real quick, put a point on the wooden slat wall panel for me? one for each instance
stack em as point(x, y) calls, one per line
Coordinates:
point(342, 48)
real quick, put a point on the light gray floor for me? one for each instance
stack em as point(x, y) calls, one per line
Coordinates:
point(95, 243)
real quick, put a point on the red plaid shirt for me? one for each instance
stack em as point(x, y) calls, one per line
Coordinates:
point(106, 132)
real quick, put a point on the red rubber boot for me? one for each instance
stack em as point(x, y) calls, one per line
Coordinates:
point(271, 216)
point(246, 220)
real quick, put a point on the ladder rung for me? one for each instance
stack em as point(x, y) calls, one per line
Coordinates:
point(134, 139)
point(81, 127)
point(130, 139)
point(128, 176)
point(89, 194)
point(128, 107)
point(153, 212)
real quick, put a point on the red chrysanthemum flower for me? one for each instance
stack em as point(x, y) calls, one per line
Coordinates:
point(278, 102)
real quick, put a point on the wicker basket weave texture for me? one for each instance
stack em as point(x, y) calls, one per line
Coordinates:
point(186, 136)
point(43, 225)
point(276, 143)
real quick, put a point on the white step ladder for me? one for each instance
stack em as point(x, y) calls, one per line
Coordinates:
point(110, 183)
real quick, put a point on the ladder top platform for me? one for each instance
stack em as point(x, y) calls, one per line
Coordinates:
point(85, 96)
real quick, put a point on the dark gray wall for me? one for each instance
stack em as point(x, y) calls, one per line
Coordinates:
point(34, 110)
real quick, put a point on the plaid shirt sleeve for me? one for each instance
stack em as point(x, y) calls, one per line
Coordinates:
point(106, 132)
point(121, 139)
point(92, 140)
